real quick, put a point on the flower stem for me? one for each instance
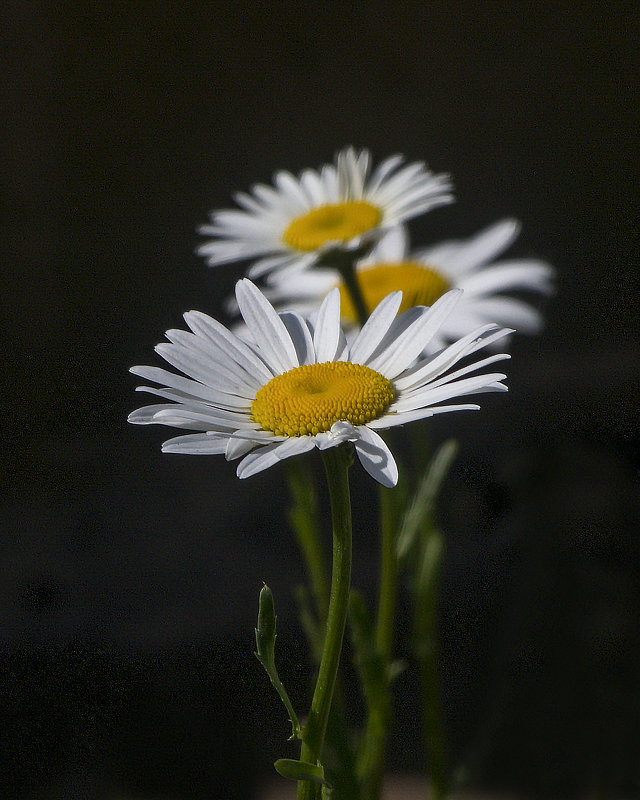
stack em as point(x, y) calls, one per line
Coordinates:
point(344, 262)
point(303, 517)
point(336, 462)
point(388, 574)
point(426, 649)
point(379, 702)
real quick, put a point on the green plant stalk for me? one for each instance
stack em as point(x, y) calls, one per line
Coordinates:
point(303, 518)
point(336, 462)
point(312, 608)
point(388, 574)
point(371, 767)
point(426, 649)
point(344, 261)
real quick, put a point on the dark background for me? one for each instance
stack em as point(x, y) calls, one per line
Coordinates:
point(130, 579)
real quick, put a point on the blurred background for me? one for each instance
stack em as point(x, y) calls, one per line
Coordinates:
point(130, 578)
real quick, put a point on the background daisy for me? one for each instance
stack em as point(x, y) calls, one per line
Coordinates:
point(426, 274)
point(341, 206)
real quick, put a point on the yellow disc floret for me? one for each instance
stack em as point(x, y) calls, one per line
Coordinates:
point(333, 222)
point(421, 285)
point(307, 400)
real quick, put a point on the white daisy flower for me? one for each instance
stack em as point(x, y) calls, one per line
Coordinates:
point(300, 386)
point(342, 205)
point(425, 275)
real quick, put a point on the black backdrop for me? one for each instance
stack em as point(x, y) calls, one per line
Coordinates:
point(129, 578)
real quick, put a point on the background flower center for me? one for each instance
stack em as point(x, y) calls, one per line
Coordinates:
point(421, 286)
point(309, 399)
point(330, 223)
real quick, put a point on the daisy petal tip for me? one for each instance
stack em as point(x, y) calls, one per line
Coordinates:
point(387, 479)
point(243, 285)
point(387, 476)
point(510, 224)
point(333, 295)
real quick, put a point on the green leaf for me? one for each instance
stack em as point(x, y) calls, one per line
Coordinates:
point(300, 770)
point(309, 623)
point(424, 497)
point(370, 665)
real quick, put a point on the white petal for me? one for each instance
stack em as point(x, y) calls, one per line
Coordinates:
point(509, 276)
point(394, 420)
point(300, 336)
point(290, 187)
point(392, 247)
point(281, 261)
point(404, 348)
point(508, 311)
point(473, 367)
point(190, 388)
point(459, 373)
point(310, 181)
point(249, 203)
point(228, 343)
point(267, 456)
point(207, 370)
point(433, 366)
point(266, 328)
point(237, 447)
point(197, 444)
point(429, 396)
point(375, 328)
point(181, 415)
point(147, 414)
point(187, 400)
point(462, 257)
point(375, 457)
point(341, 431)
point(384, 169)
point(220, 355)
point(294, 283)
point(326, 335)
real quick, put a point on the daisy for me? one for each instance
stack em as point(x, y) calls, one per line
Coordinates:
point(300, 386)
point(425, 275)
point(342, 206)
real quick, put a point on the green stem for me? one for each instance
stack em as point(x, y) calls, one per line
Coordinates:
point(388, 575)
point(303, 517)
point(344, 261)
point(426, 648)
point(336, 462)
point(379, 705)
point(348, 275)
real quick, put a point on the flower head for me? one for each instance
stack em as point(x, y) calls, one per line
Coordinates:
point(425, 275)
point(342, 205)
point(299, 385)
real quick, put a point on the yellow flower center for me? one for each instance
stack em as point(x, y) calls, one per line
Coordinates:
point(309, 399)
point(334, 222)
point(420, 285)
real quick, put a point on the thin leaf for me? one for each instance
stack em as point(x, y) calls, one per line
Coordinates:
point(424, 496)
